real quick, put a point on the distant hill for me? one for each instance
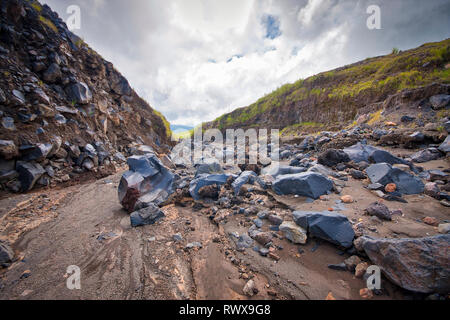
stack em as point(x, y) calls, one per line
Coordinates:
point(180, 128)
point(334, 99)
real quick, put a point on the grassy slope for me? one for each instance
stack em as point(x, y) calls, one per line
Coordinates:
point(375, 77)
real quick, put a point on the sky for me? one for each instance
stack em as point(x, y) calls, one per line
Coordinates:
point(195, 60)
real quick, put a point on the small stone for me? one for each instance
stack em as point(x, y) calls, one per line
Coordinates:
point(361, 269)
point(347, 199)
point(391, 187)
point(366, 294)
point(444, 228)
point(274, 256)
point(352, 262)
point(330, 297)
point(431, 221)
point(250, 288)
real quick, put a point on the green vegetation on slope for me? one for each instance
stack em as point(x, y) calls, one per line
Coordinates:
point(374, 76)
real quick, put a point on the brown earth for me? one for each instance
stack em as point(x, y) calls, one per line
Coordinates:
point(53, 229)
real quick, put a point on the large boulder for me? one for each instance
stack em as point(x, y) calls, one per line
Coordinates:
point(419, 265)
point(147, 182)
point(246, 177)
point(212, 167)
point(146, 216)
point(426, 155)
point(382, 156)
point(440, 101)
point(360, 152)
point(38, 152)
point(79, 93)
point(333, 157)
point(384, 174)
point(204, 181)
point(328, 226)
point(29, 174)
point(308, 184)
point(276, 169)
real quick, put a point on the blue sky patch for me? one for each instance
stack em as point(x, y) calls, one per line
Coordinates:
point(272, 25)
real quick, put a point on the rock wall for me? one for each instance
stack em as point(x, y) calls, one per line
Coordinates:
point(63, 108)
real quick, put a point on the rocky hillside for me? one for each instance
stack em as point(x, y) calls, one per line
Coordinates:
point(337, 98)
point(64, 110)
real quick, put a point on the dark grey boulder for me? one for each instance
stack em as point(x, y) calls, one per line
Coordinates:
point(52, 74)
point(359, 152)
point(329, 226)
point(275, 170)
point(147, 182)
point(38, 152)
point(246, 177)
point(6, 254)
point(384, 174)
point(121, 86)
point(426, 155)
point(208, 168)
point(146, 216)
point(381, 156)
point(79, 93)
point(206, 180)
point(419, 265)
point(308, 184)
point(379, 210)
point(29, 174)
point(333, 157)
point(440, 101)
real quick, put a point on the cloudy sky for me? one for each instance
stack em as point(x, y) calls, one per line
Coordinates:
point(196, 59)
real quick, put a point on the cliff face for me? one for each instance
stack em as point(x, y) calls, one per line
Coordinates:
point(336, 98)
point(61, 104)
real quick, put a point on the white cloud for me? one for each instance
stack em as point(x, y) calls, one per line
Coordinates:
point(175, 52)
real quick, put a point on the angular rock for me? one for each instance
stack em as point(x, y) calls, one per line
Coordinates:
point(206, 180)
point(208, 168)
point(6, 254)
point(440, 101)
point(38, 152)
point(147, 182)
point(432, 190)
point(418, 265)
point(333, 157)
point(293, 232)
point(263, 238)
point(52, 74)
point(360, 152)
point(329, 226)
point(445, 146)
point(246, 177)
point(308, 184)
point(379, 210)
point(275, 170)
point(426, 155)
point(384, 174)
point(8, 149)
point(146, 216)
point(79, 93)
point(29, 174)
